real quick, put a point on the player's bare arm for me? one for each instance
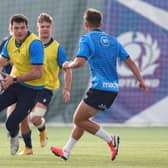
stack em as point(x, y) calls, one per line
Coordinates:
point(67, 84)
point(76, 63)
point(35, 73)
point(130, 63)
point(2, 62)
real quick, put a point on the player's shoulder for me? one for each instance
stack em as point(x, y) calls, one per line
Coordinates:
point(52, 44)
point(32, 35)
point(5, 39)
point(84, 38)
point(55, 42)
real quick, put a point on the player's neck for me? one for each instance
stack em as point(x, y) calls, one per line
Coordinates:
point(45, 40)
point(92, 28)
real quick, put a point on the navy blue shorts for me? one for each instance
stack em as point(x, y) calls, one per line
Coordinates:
point(24, 98)
point(99, 99)
point(44, 97)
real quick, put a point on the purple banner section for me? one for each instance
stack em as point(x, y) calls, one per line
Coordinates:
point(146, 40)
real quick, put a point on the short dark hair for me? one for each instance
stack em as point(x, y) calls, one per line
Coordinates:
point(93, 17)
point(18, 18)
point(44, 17)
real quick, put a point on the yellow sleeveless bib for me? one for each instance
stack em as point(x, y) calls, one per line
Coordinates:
point(52, 69)
point(20, 57)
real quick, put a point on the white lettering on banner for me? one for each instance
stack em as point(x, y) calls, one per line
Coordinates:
point(152, 83)
point(110, 85)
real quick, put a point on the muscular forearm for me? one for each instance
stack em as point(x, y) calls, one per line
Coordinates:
point(67, 79)
point(77, 62)
point(134, 69)
point(28, 77)
point(34, 74)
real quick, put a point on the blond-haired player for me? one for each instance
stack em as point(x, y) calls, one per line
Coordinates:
point(55, 57)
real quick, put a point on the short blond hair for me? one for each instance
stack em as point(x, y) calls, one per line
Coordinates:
point(44, 17)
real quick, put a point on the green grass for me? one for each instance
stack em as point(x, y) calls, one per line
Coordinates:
point(139, 148)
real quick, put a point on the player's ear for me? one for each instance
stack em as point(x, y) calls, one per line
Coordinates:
point(86, 24)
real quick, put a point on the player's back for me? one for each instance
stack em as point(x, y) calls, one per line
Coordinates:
point(104, 52)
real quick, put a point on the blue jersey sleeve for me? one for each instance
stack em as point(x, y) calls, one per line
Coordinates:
point(83, 48)
point(123, 55)
point(4, 51)
point(62, 56)
point(36, 53)
point(2, 44)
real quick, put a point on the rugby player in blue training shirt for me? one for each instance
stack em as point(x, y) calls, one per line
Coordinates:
point(101, 51)
point(26, 53)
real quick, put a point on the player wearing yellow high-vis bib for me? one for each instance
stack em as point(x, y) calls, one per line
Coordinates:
point(53, 68)
point(20, 57)
point(26, 52)
point(55, 57)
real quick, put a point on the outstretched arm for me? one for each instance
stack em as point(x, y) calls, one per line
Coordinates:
point(130, 63)
point(76, 63)
point(67, 84)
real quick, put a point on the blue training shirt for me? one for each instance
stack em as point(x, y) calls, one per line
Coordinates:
point(101, 51)
point(62, 56)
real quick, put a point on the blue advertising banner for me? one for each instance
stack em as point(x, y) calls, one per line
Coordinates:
point(142, 28)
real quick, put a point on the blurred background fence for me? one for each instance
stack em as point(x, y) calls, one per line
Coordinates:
point(141, 27)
